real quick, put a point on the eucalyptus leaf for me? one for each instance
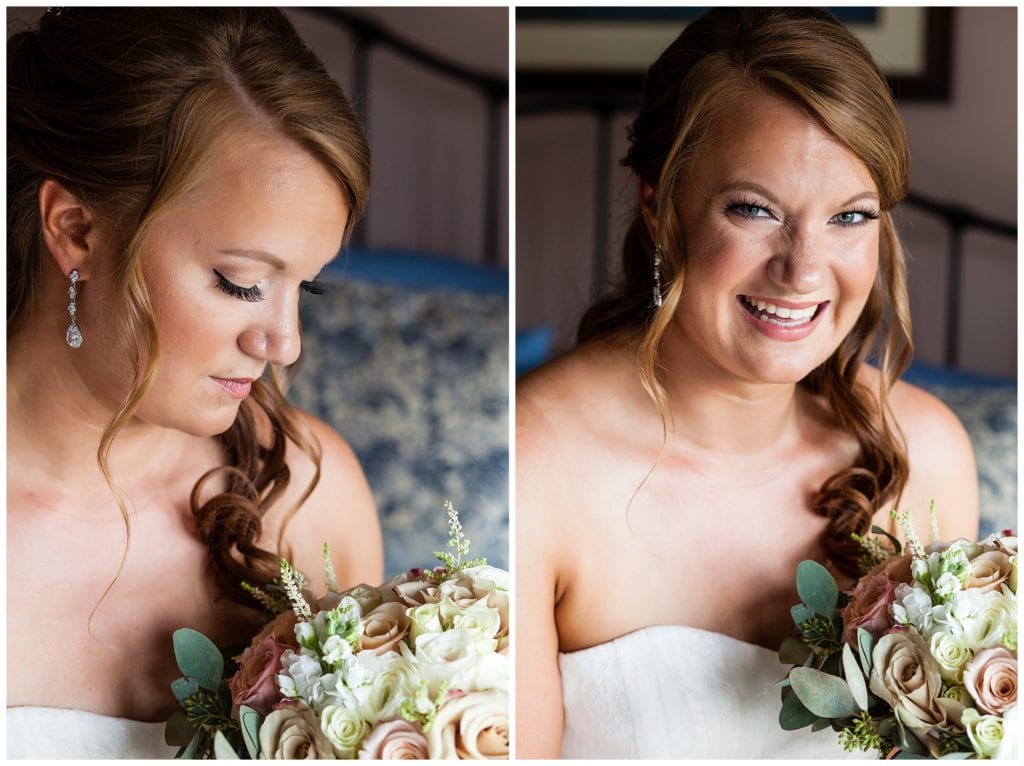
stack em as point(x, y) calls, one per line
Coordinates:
point(183, 688)
point(192, 747)
point(906, 755)
point(866, 645)
point(817, 588)
point(854, 678)
point(821, 723)
point(956, 756)
point(897, 546)
point(801, 613)
point(783, 683)
point(794, 715)
point(222, 749)
point(251, 721)
point(793, 651)
point(825, 695)
point(833, 664)
point(179, 731)
point(198, 658)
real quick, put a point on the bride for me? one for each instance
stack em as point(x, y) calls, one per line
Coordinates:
point(181, 175)
point(719, 421)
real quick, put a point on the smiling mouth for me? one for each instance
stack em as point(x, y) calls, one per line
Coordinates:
point(782, 316)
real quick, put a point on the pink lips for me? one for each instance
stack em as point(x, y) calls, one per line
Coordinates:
point(237, 388)
point(781, 332)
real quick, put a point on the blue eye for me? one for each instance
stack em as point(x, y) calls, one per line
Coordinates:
point(854, 217)
point(251, 294)
point(749, 210)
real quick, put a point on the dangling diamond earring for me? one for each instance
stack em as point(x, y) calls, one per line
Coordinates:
point(657, 276)
point(74, 336)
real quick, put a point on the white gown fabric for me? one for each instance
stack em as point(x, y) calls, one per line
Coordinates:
point(676, 692)
point(44, 732)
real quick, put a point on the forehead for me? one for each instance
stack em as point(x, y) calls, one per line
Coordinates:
point(772, 139)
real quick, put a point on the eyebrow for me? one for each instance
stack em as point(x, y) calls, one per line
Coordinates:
point(257, 255)
point(736, 186)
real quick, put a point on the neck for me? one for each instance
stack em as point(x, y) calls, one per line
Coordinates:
point(717, 412)
point(55, 424)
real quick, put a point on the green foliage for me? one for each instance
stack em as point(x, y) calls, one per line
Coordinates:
point(421, 709)
point(861, 734)
point(251, 721)
point(222, 749)
point(897, 546)
point(821, 636)
point(817, 588)
point(865, 645)
point(825, 695)
point(794, 715)
point(854, 678)
point(198, 658)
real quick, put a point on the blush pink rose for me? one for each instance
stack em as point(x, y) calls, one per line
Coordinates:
point(384, 627)
point(255, 682)
point(869, 607)
point(988, 571)
point(991, 679)
point(394, 741)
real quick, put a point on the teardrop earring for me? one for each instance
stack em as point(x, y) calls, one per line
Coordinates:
point(657, 276)
point(74, 335)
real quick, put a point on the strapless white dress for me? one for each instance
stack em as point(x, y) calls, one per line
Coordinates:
point(46, 732)
point(676, 692)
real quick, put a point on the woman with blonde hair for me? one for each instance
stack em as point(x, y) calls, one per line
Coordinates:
point(176, 180)
point(720, 420)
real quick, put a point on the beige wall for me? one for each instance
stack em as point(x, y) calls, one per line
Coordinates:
point(964, 151)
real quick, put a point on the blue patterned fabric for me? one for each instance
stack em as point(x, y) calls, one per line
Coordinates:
point(989, 413)
point(416, 379)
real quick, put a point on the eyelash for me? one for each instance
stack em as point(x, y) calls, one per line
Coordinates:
point(254, 294)
point(735, 207)
point(250, 294)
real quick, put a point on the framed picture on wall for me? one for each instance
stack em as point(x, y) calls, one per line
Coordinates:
point(603, 52)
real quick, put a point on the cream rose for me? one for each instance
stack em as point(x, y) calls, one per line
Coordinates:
point(293, 733)
point(395, 680)
point(984, 731)
point(394, 740)
point(384, 627)
point(951, 653)
point(991, 679)
point(907, 678)
point(473, 725)
point(988, 571)
point(344, 728)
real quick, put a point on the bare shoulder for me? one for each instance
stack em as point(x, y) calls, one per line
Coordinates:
point(340, 510)
point(941, 456)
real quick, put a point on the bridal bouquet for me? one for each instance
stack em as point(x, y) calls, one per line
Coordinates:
point(919, 659)
point(415, 668)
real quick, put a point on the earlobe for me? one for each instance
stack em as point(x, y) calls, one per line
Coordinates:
point(68, 228)
point(648, 207)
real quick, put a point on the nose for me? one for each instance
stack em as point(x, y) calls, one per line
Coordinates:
point(274, 337)
point(799, 265)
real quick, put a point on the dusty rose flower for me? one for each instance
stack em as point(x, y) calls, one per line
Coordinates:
point(473, 725)
point(293, 733)
point(384, 627)
point(282, 629)
point(988, 571)
point(897, 569)
point(907, 678)
point(255, 683)
point(869, 607)
point(394, 740)
point(991, 679)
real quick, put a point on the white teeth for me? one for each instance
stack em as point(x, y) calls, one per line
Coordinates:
point(781, 312)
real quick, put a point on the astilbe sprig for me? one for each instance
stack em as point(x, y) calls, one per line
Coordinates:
point(292, 582)
point(457, 542)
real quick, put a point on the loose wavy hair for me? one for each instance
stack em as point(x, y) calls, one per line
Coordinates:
point(809, 59)
point(124, 107)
